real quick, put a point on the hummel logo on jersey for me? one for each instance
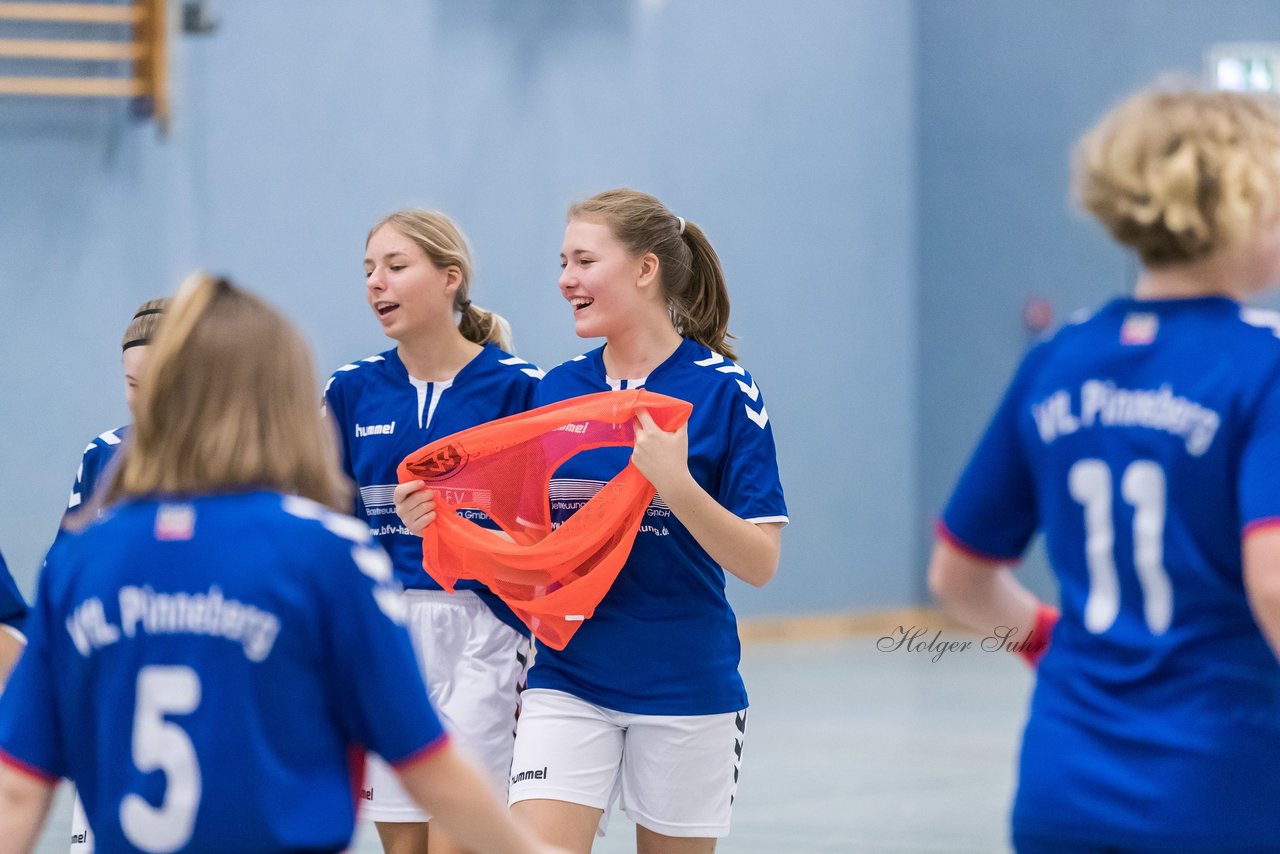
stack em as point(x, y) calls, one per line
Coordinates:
point(536, 774)
point(375, 430)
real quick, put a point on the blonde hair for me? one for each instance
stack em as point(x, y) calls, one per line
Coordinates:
point(692, 279)
point(229, 404)
point(444, 244)
point(1178, 175)
point(142, 328)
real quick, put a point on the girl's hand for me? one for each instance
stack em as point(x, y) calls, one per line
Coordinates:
point(662, 457)
point(415, 505)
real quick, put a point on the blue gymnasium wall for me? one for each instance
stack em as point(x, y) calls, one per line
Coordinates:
point(786, 129)
point(1005, 89)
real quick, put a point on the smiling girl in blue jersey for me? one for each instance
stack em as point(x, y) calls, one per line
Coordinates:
point(645, 705)
point(209, 660)
point(1144, 441)
point(449, 370)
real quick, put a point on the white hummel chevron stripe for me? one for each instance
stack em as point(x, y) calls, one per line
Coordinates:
point(1262, 317)
point(351, 366)
point(578, 358)
point(374, 563)
point(336, 523)
point(110, 438)
point(761, 418)
point(532, 369)
point(75, 500)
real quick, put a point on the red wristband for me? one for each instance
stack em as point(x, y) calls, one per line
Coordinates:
point(1037, 643)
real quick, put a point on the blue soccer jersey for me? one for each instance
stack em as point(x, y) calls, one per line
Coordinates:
point(13, 609)
point(664, 639)
point(1142, 441)
point(209, 671)
point(383, 415)
point(98, 455)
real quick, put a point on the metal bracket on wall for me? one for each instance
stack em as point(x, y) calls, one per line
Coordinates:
point(197, 19)
point(145, 51)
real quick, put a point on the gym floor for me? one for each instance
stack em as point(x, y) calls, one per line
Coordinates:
point(851, 748)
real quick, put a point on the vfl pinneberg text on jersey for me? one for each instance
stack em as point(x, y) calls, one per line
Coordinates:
point(1104, 404)
point(143, 610)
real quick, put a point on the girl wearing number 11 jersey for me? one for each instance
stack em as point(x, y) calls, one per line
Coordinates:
point(1144, 441)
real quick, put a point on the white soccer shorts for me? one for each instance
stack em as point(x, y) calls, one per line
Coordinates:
point(475, 666)
point(672, 774)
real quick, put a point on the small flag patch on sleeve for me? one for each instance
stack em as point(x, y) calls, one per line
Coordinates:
point(1139, 328)
point(175, 522)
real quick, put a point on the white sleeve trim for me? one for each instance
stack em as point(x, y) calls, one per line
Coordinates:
point(764, 520)
point(17, 635)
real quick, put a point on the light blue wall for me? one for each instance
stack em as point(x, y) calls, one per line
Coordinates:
point(1005, 89)
point(786, 129)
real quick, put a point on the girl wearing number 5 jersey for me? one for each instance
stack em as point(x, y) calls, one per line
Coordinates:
point(1144, 441)
point(201, 659)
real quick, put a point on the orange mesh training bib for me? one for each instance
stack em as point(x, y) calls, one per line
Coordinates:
point(551, 579)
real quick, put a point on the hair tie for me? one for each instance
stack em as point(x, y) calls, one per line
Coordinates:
point(681, 219)
point(464, 305)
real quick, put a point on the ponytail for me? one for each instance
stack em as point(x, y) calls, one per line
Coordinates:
point(700, 310)
point(484, 327)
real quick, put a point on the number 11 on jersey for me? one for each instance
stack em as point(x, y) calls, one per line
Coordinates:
point(1142, 486)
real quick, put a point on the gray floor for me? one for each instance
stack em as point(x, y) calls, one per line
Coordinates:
point(850, 749)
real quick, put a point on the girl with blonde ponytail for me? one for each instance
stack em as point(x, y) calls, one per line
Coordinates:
point(1143, 441)
point(450, 369)
point(646, 701)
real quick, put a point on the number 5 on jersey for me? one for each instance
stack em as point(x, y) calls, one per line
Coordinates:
point(162, 745)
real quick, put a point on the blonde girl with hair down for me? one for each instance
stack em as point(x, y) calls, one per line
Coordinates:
point(645, 706)
point(1144, 441)
point(224, 616)
point(450, 369)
